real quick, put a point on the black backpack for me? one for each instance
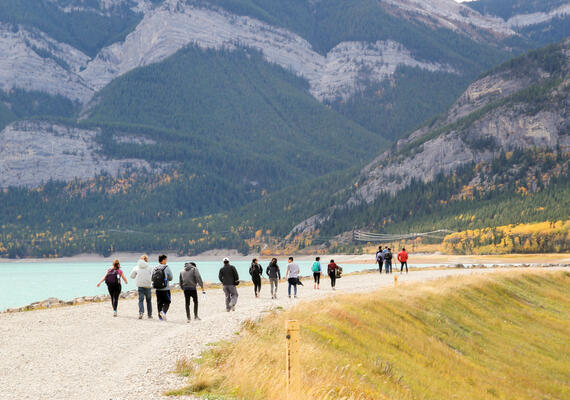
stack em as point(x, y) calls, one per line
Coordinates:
point(388, 256)
point(159, 278)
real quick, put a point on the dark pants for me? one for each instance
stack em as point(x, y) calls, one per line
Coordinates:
point(317, 277)
point(402, 266)
point(191, 294)
point(333, 279)
point(380, 263)
point(388, 266)
point(292, 282)
point(145, 293)
point(114, 292)
point(231, 296)
point(163, 300)
point(256, 285)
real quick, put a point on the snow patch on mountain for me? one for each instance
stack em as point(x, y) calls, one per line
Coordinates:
point(523, 20)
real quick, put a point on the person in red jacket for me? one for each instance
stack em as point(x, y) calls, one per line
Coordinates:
point(403, 258)
point(332, 267)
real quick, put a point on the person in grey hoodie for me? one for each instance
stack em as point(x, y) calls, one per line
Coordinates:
point(274, 274)
point(163, 293)
point(189, 279)
point(143, 274)
point(230, 279)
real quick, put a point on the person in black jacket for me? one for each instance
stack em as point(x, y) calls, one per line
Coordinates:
point(256, 271)
point(274, 274)
point(230, 279)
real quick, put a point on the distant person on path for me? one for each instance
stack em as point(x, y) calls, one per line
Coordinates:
point(380, 258)
point(332, 267)
point(143, 274)
point(161, 277)
point(256, 271)
point(292, 276)
point(189, 280)
point(113, 280)
point(403, 258)
point(230, 279)
point(274, 273)
point(388, 261)
point(317, 270)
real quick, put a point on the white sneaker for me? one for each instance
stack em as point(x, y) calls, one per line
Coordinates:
point(233, 308)
point(114, 313)
point(163, 315)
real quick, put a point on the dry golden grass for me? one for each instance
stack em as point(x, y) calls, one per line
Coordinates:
point(497, 336)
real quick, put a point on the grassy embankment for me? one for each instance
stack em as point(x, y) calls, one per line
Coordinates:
point(497, 336)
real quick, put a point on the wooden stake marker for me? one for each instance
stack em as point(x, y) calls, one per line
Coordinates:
point(293, 364)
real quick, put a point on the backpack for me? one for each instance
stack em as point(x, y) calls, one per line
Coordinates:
point(338, 272)
point(316, 267)
point(112, 277)
point(379, 256)
point(388, 256)
point(159, 278)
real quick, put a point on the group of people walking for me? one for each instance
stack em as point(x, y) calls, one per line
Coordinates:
point(384, 258)
point(159, 278)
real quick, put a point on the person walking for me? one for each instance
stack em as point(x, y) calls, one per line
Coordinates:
point(292, 276)
point(143, 274)
point(161, 277)
point(403, 258)
point(256, 271)
point(332, 267)
point(274, 273)
point(380, 258)
point(229, 277)
point(113, 280)
point(317, 272)
point(388, 261)
point(189, 280)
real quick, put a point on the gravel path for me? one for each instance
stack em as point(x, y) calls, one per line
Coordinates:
point(82, 352)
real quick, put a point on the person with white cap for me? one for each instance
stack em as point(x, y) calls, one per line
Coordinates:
point(230, 279)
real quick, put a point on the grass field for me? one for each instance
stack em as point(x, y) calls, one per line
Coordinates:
point(495, 336)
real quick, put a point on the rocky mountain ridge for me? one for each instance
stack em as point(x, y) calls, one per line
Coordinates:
point(174, 24)
point(496, 115)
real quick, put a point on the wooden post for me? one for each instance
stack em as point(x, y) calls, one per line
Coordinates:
point(293, 365)
point(396, 280)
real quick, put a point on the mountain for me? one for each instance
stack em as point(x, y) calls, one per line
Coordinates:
point(498, 156)
point(190, 124)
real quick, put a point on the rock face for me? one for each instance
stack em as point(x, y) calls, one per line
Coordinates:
point(31, 153)
point(174, 25)
point(31, 60)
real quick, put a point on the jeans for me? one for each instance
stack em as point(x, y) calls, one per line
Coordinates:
point(145, 292)
point(114, 292)
point(292, 282)
point(273, 282)
point(388, 266)
point(191, 294)
point(402, 266)
point(163, 300)
point(231, 296)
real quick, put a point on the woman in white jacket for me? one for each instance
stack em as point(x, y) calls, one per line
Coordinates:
point(143, 274)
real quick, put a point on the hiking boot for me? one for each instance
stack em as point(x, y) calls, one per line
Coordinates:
point(114, 313)
point(197, 318)
point(140, 316)
point(188, 320)
point(162, 316)
point(149, 317)
point(295, 296)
